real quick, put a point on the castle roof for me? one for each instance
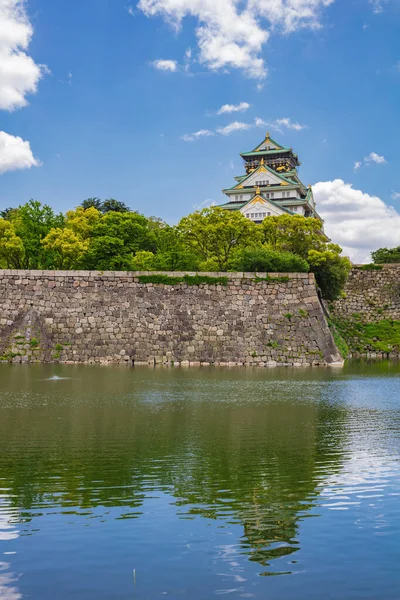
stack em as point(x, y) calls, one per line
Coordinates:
point(256, 197)
point(263, 168)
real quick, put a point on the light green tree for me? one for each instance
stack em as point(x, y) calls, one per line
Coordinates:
point(68, 248)
point(12, 250)
point(214, 233)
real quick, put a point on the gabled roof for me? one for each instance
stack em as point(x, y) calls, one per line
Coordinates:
point(266, 152)
point(240, 205)
point(268, 140)
point(232, 205)
point(262, 168)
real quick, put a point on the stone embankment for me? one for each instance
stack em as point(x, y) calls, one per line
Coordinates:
point(368, 316)
point(118, 317)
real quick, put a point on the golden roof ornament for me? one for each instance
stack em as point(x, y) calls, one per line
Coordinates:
point(262, 160)
point(258, 191)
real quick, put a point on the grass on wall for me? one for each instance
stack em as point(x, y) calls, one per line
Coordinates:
point(383, 336)
point(188, 279)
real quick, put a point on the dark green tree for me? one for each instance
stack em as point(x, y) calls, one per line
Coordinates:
point(92, 202)
point(112, 205)
point(7, 213)
point(386, 255)
point(115, 240)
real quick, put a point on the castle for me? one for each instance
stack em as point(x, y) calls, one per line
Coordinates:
point(271, 185)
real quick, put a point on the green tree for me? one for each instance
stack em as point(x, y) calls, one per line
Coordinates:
point(172, 255)
point(386, 255)
point(112, 205)
point(67, 247)
point(32, 222)
point(304, 237)
point(12, 250)
point(293, 233)
point(83, 221)
point(115, 239)
point(7, 213)
point(331, 270)
point(143, 261)
point(92, 203)
point(214, 233)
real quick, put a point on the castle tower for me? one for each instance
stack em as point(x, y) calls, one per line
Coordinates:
point(271, 185)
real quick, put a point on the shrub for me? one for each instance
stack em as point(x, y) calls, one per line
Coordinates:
point(264, 259)
point(370, 267)
point(331, 271)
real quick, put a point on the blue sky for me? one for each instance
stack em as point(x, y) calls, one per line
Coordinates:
point(107, 92)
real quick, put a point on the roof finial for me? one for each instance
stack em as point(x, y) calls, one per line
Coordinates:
point(262, 161)
point(258, 191)
point(267, 136)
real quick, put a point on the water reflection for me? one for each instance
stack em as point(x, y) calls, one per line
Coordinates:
point(257, 453)
point(8, 588)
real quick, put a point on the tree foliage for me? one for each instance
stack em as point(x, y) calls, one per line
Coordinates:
point(304, 238)
point(386, 255)
point(68, 248)
point(265, 259)
point(105, 206)
point(214, 233)
point(11, 247)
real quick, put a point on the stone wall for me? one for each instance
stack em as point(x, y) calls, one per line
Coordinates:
point(91, 317)
point(374, 295)
point(371, 296)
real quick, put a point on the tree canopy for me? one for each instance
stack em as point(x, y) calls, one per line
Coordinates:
point(386, 255)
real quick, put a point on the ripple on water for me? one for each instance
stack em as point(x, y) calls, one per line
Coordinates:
point(210, 481)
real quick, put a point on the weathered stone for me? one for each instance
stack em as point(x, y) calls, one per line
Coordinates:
point(100, 318)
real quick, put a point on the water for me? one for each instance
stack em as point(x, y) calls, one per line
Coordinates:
point(120, 483)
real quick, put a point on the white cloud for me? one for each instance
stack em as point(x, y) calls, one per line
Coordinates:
point(130, 10)
point(358, 222)
point(374, 157)
point(260, 122)
point(241, 126)
point(287, 123)
point(395, 196)
point(232, 33)
point(235, 126)
point(19, 74)
point(279, 124)
point(377, 5)
point(165, 65)
point(231, 108)
point(15, 154)
point(192, 137)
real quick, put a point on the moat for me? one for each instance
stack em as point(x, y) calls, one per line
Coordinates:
point(120, 483)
